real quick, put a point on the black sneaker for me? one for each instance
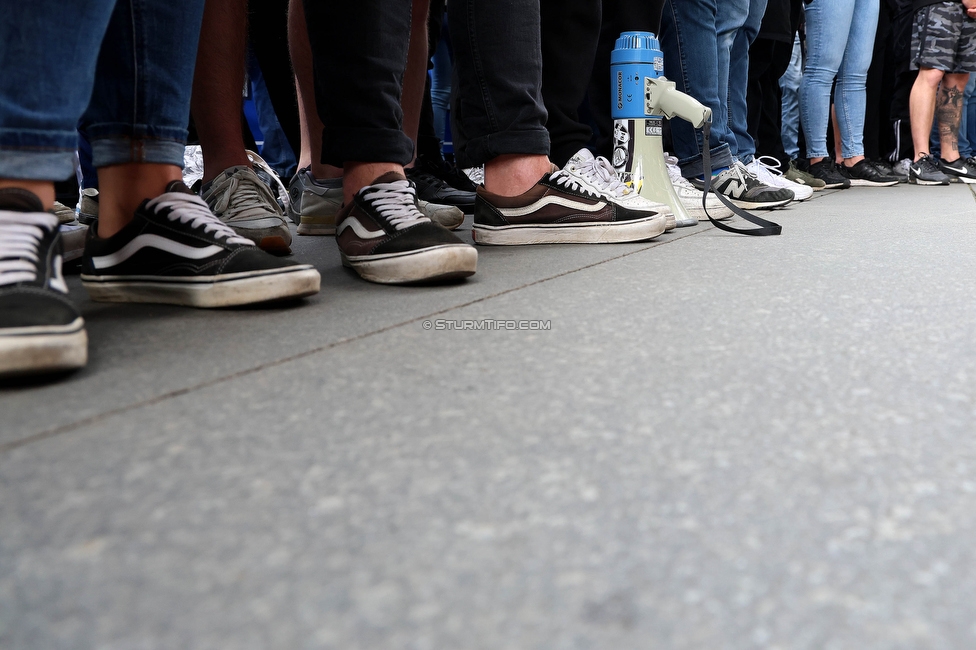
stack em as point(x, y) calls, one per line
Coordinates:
point(563, 208)
point(434, 190)
point(865, 174)
point(745, 190)
point(383, 236)
point(925, 171)
point(176, 251)
point(960, 170)
point(827, 172)
point(445, 171)
point(40, 330)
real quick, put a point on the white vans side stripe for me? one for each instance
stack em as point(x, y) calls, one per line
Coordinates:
point(154, 241)
point(358, 228)
point(552, 200)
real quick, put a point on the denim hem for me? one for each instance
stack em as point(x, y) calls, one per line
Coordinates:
point(340, 146)
point(122, 150)
point(24, 164)
point(477, 151)
point(692, 167)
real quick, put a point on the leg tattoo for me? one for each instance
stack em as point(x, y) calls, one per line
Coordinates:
point(948, 108)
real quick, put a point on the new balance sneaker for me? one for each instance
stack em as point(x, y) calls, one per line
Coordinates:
point(176, 251)
point(827, 172)
point(797, 175)
point(746, 191)
point(925, 171)
point(313, 203)
point(768, 174)
point(691, 197)
point(562, 208)
point(40, 330)
point(434, 190)
point(959, 169)
point(865, 174)
point(384, 237)
point(245, 203)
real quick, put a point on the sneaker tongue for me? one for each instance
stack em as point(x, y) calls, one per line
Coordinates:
point(20, 200)
point(582, 156)
point(389, 177)
point(179, 187)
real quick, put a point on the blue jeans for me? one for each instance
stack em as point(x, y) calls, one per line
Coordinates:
point(840, 43)
point(789, 83)
point(122, 69)
point(743, 145)
point(696, 58)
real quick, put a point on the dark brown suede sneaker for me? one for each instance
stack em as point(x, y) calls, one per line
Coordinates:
point(562, 208)
point(383, 236)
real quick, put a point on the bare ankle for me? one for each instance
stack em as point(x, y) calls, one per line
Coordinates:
point(514, 174)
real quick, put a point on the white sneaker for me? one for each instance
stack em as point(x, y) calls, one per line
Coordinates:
point(691, 197)
point(598, 175)
point(766, 169)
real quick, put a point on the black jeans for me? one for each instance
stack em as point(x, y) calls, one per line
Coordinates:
point(497, 106)
point(359, 53)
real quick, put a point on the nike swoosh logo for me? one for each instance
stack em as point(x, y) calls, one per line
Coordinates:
point(552, 200)
point(958, 170)
point(358, 228)
point(154, 241)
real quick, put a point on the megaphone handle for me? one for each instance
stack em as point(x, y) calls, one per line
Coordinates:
point(766, 227)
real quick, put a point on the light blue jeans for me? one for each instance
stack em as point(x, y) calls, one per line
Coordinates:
point(840, 42)
point(122, 68)
point(789, 83)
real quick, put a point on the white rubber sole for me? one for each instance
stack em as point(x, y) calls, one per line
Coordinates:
point(862, 183)
point(749, 205)
point(229, 290)
point(38, 350)
point(445, 262)
point(317, 228)
point(614, 232)
point(916, 181)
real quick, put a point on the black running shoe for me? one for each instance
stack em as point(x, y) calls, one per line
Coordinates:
point(959, 169)
point(925, 171)
point(434, 190)
point(383, 236)
point(865, 174)
point(445, 171)
point(827, 172)
point(176, 251)
point(40, 330)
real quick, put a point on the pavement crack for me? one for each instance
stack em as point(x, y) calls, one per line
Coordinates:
point(104, 415)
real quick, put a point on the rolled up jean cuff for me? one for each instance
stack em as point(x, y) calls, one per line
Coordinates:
point(29, 154)
point(118, 144)
point(721, 156)
point(479, 150)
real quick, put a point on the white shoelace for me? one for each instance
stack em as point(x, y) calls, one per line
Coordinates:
point(20, 238)
point(674, 172)
point(598, 174)
point(771, 164)
point(192, 210)
point(396, 202)
point(243, 194)
point(762, 174)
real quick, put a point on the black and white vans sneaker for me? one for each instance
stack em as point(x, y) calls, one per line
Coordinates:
point(384, 237)
point(176, 251)
point(959, 169)
point(40, 330)
point(925, 171)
